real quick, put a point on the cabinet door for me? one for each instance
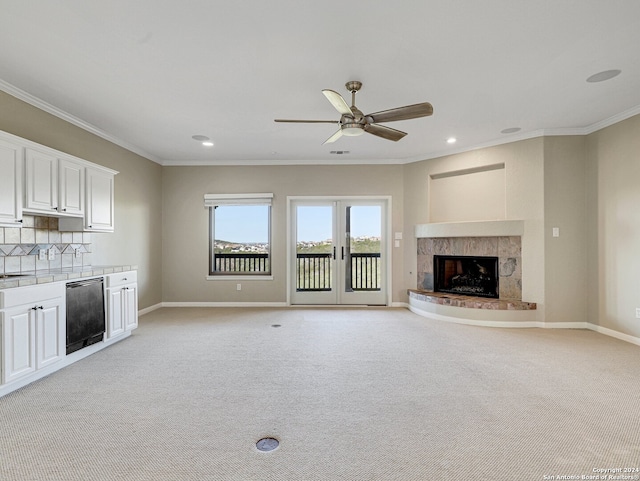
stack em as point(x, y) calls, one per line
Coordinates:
point(99, 215)
point(18, 343)
point(71, 188)
point(131, 307)
point(41, 182)
point(50, 334)
point(10, 183)
point(115, 312)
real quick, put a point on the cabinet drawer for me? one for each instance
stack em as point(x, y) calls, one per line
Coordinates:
point(122, 278)
point(26, 295)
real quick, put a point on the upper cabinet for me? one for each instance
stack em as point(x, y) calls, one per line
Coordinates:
point(11, 162)
point(99, 205)
point(71, 187)
point(40, 180)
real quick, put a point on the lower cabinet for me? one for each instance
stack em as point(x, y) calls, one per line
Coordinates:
point(122, 303)
point(32, 336)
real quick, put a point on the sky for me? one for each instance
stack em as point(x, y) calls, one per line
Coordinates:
point(314, 222)
point(250, 223)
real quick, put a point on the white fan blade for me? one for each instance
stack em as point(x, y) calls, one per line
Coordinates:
point(333, 138)
point(338, 102)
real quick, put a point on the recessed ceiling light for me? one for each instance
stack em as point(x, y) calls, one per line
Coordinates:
point(200, 138)
point(602, 76)
point(207, 143)
point(510, 130)
point(451, 140)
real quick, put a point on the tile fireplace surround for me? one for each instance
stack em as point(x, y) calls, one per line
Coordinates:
point(462, 239)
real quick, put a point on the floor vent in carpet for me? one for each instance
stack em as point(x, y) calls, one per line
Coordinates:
point(267, 444)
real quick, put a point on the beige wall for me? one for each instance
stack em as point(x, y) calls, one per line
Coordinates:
point(524, 200)
point(565, 208)
point(138, 237)
point(185, 236)
point(587, 186)
point(614, 226)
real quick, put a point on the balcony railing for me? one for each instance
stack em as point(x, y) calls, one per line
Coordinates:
point(313, 271)
point(241, 263)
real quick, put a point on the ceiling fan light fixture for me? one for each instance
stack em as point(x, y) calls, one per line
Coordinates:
point(352, 130)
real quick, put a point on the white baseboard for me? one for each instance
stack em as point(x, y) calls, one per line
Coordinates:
point(400, 304)
point(618, 335)
point(149, 309)
point(224, 304)
point(529, 324)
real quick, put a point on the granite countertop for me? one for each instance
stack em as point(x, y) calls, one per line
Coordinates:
point(55, 275)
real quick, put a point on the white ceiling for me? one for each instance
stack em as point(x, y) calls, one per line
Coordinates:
point(150, 74)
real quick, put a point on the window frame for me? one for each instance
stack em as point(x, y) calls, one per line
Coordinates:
point(212, 201)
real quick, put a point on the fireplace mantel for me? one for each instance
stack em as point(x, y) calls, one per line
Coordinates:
point(491, 228)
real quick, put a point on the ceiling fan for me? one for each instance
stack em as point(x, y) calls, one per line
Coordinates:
point(353, 122)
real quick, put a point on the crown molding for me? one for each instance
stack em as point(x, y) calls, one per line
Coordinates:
point(42, 105)
point(50, 109)
point(341, 160)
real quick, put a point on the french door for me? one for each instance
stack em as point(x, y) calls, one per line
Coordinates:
point(338, 251)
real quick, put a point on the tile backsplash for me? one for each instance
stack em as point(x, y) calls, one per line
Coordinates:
point(19, 247)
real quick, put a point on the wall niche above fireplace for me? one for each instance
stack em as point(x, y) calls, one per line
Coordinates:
point(466, 275)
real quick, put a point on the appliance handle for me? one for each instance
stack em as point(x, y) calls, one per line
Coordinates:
point(88, 282)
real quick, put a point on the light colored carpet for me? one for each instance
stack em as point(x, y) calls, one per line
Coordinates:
point(351, 394)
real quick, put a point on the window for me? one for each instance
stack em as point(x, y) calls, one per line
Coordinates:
point(239, 234)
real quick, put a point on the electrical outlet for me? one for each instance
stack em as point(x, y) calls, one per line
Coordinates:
point(51, 254)
point(42, 255)
point(77, 253)
point(637, 312)
point(238, 287)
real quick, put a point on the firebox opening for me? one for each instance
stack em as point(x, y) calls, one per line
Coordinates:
point(466, 275)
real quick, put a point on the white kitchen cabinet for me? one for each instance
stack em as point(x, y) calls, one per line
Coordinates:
point(11, 168)
point(122, 303)
point(99, 205)
point(18, 343)
point(71, 187)
point(33, 330)
point(41, 182)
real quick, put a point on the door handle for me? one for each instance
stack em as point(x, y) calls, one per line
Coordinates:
point(334, 253)
point(342, 252)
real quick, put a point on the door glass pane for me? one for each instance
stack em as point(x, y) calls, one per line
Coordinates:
point(362, 248)
point(314, 247)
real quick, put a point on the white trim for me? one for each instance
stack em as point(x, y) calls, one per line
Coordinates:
point(387, 200)
point(528, 324)
point(61, 114)
point(224, 304)
point(149, 309)
point(214, 200)
point(42, 105)
point(492, 228)
point(611, 333)
point(474, 322)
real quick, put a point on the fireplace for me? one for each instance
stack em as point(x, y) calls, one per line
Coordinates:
point(467, 275)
